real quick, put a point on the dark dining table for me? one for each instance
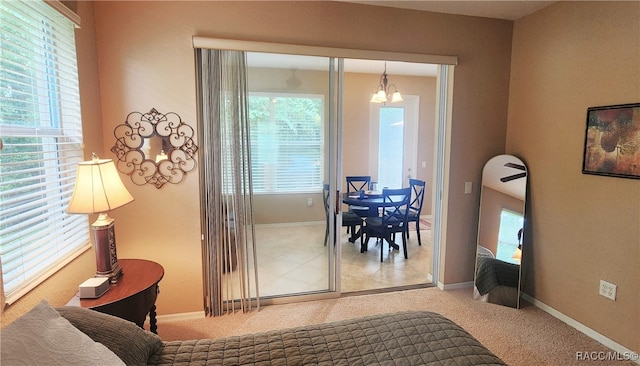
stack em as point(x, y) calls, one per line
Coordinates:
point(370, 199)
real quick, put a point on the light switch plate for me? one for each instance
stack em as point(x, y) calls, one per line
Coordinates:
point(468, 187)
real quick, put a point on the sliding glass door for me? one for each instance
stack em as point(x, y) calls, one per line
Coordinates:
point(297, 139)
point(292, 121)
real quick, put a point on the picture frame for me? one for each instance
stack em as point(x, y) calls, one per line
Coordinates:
point(612, 141)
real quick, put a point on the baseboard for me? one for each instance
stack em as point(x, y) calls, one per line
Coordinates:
point(454, 286)
point(623, 351)
point(180, 316)
point(290, 224)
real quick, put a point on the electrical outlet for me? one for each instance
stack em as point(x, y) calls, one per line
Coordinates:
point(309, 202)
point(608, 290)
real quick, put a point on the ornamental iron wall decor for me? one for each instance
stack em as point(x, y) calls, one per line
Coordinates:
point(154, 148)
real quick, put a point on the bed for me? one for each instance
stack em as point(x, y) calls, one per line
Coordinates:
point(497, 281)
point(403, 338)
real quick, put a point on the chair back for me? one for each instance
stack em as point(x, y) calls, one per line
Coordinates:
point(396, 213)
point(417, 195)
point(357, 183)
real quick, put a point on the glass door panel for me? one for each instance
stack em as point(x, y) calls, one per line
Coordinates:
point(381, 140)
point(291, 111)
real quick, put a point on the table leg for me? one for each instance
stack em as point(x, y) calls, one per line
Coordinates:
point(355, 236)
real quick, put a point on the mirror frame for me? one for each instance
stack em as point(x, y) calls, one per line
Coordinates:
point(502, 173)
point(177, 154)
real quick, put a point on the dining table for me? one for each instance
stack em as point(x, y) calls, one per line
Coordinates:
point(374, 201)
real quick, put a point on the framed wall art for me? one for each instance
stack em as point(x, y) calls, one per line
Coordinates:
point(612, 141)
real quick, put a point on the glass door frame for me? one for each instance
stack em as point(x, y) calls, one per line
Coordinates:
point(443, 112)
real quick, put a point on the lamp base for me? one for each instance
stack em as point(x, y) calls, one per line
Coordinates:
point(113, 275)
point(104, 239)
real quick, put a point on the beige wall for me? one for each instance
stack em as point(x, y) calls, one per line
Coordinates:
point(145, 60)
point(566, 58)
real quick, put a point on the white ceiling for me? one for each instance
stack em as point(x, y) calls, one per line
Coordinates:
point(495, 169)
point(510, 10)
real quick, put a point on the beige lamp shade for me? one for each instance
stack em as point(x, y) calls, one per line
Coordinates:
point(98, 188)
point(397, 97)
point(379, 97)
point(517, 254)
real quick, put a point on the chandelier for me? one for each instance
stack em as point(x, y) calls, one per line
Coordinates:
point(384, 92)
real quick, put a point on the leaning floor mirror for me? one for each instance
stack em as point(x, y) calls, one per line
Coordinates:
point(501, 231)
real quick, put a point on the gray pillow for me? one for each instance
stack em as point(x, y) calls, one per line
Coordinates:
point(42, 337)
point(131, 343)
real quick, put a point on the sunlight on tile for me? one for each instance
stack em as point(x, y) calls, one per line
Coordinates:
point(294, 259)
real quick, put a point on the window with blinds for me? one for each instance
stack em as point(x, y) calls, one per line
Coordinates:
point(287, 141)
point(41, 144)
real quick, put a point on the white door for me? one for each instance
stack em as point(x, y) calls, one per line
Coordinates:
point(394, 142)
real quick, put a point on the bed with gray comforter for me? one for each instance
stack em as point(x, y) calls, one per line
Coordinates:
point(71, 335)
point(402, 338)
point(405, 338)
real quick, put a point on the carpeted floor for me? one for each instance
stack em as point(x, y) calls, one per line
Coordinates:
point(527, 336)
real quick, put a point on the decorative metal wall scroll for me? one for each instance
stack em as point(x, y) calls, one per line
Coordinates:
point(154, 148)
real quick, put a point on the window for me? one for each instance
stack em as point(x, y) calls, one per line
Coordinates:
point(286, 142)
point(508, 237)
point(41, 134)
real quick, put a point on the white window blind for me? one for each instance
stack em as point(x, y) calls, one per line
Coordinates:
point(41, 134)
point(287, 142)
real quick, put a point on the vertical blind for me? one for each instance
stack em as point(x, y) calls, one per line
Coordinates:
point(41, 140)
point(230, 277)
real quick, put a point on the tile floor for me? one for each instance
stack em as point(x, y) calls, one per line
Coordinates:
point(293, 259)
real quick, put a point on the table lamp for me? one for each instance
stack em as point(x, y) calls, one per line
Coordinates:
point(517, 255)
point(99, 189)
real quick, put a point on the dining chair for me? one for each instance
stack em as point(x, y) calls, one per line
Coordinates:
point(415, 207)
point(393, 219)
point(356, 183)
point(349, 219)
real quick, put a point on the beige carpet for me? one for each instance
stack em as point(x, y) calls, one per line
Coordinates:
point(525, 337)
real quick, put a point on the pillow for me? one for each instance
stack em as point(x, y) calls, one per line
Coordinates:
point(131, 343)
point(43, 337)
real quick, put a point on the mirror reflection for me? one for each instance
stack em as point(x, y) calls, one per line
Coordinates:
point(156, 148)
point(501, 231)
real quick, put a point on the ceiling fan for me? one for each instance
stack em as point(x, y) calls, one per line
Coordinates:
point(514, 176)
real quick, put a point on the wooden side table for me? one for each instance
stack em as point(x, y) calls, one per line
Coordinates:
point(133, 296)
